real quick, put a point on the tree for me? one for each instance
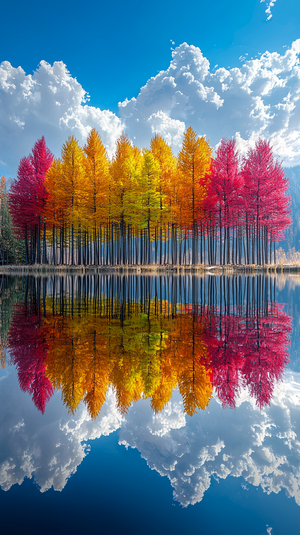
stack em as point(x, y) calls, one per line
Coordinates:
point(225, 342)
point(225, 189)
point(189, 353)
point(72, 158)
point(266, 355)
point(11, 249)
point(27, 200)
point(267, 205)
point(111, 214)
point(167, 186)
point(28, 349)
point(56, 208)
point(121, 181)
point(96, 168)
point(150, 208)
point(193, 164)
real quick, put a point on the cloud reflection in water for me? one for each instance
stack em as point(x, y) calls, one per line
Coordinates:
point(263, 447)
point(131, 354)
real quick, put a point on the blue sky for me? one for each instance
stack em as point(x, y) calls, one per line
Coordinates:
point(113, 49)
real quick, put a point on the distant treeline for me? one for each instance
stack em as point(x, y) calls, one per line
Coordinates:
point(148, 207)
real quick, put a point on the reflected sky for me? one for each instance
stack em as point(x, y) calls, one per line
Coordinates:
point(262, 446)
point(200, 385)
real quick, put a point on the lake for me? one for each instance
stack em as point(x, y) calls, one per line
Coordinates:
point(136, 404)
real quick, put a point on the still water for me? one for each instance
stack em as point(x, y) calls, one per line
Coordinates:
point(144, 404)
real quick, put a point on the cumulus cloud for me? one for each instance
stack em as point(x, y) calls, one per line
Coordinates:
point(50, 447)
point(49, 102)
point(263, 447)
point(268, 11)
point(260, 98)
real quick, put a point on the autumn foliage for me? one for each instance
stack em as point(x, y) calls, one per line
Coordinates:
point(86, 334)
point(148, 207)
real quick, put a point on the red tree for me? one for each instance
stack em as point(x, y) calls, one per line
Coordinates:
point(247, 351)
point(28, 350)
point(225, 346)
point(224, 195)
point(267, 204)
point(27, 199)
point(266, 355)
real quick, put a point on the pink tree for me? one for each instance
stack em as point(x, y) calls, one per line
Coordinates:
point(224, 340)
point(267, 205)
point(28, 350)
point(266, 354)
point(224, 196)
point(27, 199)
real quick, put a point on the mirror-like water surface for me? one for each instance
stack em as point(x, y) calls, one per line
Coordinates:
point(102, 373)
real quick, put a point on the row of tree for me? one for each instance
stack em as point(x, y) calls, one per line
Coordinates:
point(82, 336)
point(148, 207)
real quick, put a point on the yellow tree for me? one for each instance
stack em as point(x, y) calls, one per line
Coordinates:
point(65, 363)
point(73, 183)
point(132, 212)
point(96, 167)
point(187, 349)
point(98, 366)
point(168, 376)
point(2, 190)
point(149, 201)
point(125, 348)
point(121, 179)
point(193, 164)
point(162, 152)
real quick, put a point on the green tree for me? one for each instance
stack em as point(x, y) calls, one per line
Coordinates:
point(12, 251)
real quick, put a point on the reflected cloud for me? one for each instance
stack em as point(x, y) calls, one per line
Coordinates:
point(263, 447)
point(89, 358)
point(47, 447)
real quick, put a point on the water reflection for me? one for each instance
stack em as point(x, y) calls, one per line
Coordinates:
point(262, 447)
point(146, 336)
point(175, 346)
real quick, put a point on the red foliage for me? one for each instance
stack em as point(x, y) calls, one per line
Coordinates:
point(225, 183)
point(248, 352)
point(265, 187)
point(266, 354)
point(28, 350)
point(28, 195)
point(224, 341)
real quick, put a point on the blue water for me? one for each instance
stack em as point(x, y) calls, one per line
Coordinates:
point(220, 471)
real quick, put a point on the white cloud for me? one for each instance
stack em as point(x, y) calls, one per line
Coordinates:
point(270, 4)
point(47, 447)
point(51, 103)
point(262, 97)
point(171, 129)
point(263, 447)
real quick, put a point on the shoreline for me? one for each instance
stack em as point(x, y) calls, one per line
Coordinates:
point(201, 269)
